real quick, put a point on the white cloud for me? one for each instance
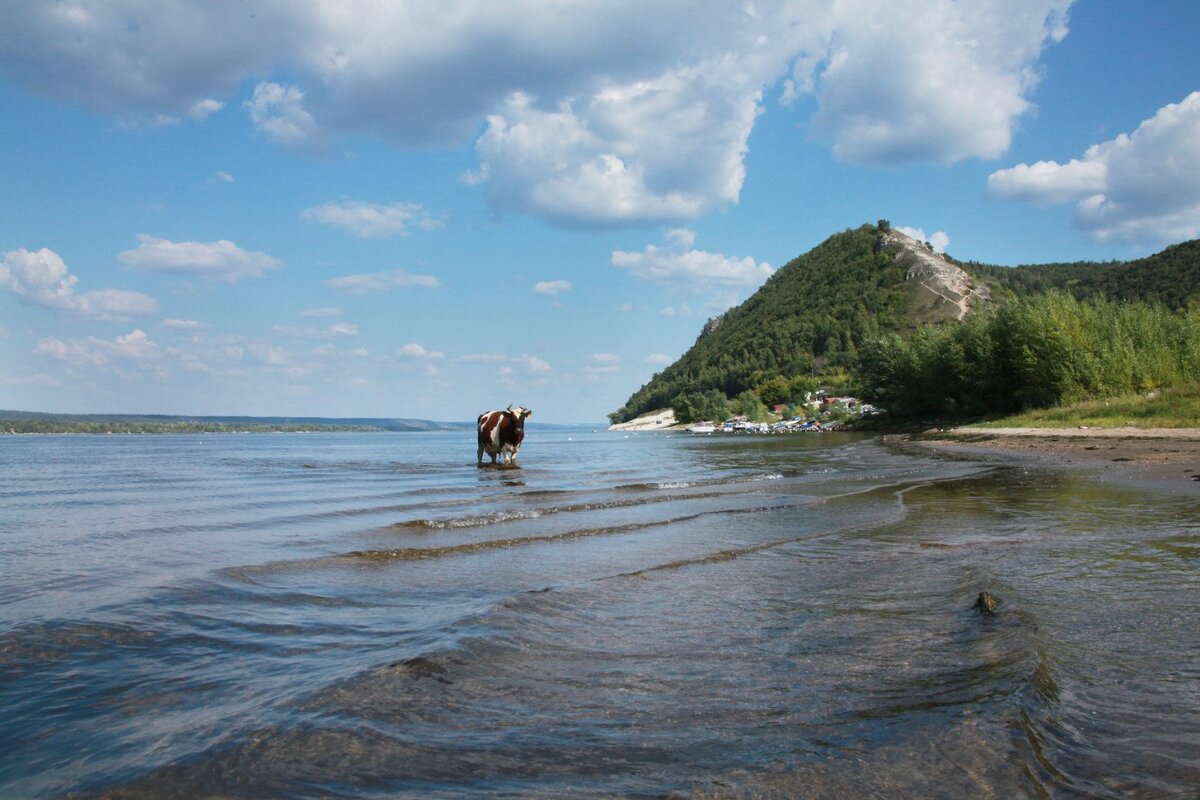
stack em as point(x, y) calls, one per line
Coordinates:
point(204, 108)
point(366, 220)
point(551, 288)
point(278, 112)
point(381, 281)
point(656, 359)
point(928, 80)
point(42, 277)
point(1048, 182)
point(222, 259)
point(336, 330)
point(535, 364)
point(531, 364)
point(1139, 187)
point(332, 350)
point(575, 130)
point(134, 348)
point(603, 364)
point(667, 148)
point(183, 324)
point(939, 241)
point(680, 265)
point(223, 177)
point(414, 350)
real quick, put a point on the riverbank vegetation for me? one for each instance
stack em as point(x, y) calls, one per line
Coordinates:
point(1173, 407)
point(1034, 352)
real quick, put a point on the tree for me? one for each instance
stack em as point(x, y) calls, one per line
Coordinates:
point(748, 405)
point(704, 406)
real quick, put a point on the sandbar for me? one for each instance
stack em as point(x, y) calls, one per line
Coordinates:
point(1164, 459)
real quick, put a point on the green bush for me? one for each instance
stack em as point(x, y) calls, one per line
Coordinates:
point(1034, 352)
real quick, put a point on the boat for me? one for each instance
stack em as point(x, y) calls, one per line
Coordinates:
point(701, 427)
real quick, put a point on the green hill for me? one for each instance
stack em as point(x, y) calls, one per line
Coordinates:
point(1171, 277)
point(811, 318)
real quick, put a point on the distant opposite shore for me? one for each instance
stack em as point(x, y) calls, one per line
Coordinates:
point(32, 422)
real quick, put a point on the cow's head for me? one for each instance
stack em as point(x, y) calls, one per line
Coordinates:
point(519, 413)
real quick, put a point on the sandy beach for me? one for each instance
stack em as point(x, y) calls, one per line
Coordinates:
point(1162, 458)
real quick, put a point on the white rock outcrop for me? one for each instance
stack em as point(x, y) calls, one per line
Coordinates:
point(940, 280)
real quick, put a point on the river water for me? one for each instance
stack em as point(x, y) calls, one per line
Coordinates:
point(371, 615)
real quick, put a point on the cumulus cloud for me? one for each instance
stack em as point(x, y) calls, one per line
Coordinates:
point(134, 348)
point(1138, 187)
point(551, 288)
point(381, 281)
point(535, 364)
point(278, 113)
point(223, 259)
point(367, 220)
point(665, 149)
point(42, 278)
point(679, 264)
point(204, 108)
point(414, 350)
point(573, 129)
point(928, 80)
point(1048, 182)
point(939, 241)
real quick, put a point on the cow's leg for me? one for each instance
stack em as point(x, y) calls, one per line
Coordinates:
point(479, 455)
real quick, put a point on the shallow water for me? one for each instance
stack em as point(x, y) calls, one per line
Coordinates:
point(373, 615)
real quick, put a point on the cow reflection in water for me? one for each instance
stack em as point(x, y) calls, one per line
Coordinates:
point(501, 434)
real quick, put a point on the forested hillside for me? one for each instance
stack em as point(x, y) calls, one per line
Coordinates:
point(809, 322)
point(1171, 277)
point(813, 314)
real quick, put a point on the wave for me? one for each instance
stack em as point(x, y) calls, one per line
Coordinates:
point(733, 480)
point(515, 514)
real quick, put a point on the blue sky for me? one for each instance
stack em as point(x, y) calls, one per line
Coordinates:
point(430, 209)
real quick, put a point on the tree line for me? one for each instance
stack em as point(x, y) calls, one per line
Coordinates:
point(1032, 352)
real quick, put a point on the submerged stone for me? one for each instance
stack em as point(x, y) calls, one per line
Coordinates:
point(987, 603)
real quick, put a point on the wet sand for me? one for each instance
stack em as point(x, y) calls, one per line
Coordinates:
point(1167, 459)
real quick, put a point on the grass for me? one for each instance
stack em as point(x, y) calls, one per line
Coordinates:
point(1176, 407)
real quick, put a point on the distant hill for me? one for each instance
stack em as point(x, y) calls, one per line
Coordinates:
point(817, 311)
point(1171, 277)
point(39, 422)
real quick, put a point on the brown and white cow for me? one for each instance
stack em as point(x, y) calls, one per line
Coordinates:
point(501, 433)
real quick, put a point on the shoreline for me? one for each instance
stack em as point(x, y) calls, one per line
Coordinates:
point(1164, 459)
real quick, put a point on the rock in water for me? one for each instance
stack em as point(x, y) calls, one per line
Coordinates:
point(987, 603)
